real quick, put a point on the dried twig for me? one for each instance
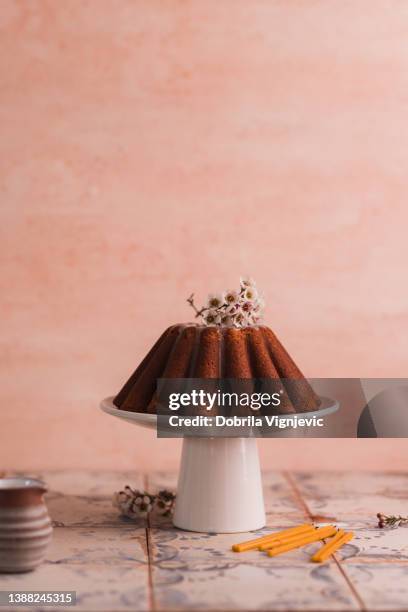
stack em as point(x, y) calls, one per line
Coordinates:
point(391, 520)
point(198, 313)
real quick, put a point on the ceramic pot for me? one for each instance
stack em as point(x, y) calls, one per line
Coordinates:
point(25, 526)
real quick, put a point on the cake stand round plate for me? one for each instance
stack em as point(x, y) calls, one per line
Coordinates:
point(219, 485)
point(137, 418)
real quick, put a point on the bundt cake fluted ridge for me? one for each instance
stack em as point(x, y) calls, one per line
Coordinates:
point(198, 351)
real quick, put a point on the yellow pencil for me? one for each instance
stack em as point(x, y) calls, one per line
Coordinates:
point(253, 544)
point(331, 547)
point(308, 538)
point(328, 544)
point(285, 540)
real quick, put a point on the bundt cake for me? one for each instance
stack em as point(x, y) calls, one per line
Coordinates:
point(200, 351)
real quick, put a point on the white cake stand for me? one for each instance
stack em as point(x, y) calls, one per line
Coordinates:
point(219, 486)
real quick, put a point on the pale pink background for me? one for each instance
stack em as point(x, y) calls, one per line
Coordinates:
point(154, 148)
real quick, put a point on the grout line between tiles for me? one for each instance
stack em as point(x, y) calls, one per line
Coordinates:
point(303, 504)
point(149, 548)
point(297, 495)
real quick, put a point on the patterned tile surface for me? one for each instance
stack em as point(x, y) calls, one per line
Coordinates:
point(99, 587)
point(117, 564)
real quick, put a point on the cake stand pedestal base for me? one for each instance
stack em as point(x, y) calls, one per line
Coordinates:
point(219, 486)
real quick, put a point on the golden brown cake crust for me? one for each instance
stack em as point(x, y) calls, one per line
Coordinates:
point(197, 351)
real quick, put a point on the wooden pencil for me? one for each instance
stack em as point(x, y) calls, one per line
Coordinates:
point(331, 547)
point(308, 538)
point(253, 544)
point(285, 539)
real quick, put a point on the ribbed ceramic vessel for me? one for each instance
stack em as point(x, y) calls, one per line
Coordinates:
point(25, 526)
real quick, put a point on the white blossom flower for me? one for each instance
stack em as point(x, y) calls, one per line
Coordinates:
point(142, 505)
point(215, 300)
point(240, 319)
point(165, 502)
point(212, 317)
point(233, 308)
point(247, 281)
point(231, 297)
point(255, 318)
point(250, 294)
point(247, 306)
point(227, 320)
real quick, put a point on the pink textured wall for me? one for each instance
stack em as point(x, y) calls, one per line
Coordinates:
point(153, 148)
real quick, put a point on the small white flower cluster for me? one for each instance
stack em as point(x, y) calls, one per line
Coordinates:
point(233, 308)
point(134, 504)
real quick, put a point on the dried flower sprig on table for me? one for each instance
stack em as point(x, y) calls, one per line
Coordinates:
point(232, 308)
point(134, 504)
point(165, 502)
point(391, 521)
